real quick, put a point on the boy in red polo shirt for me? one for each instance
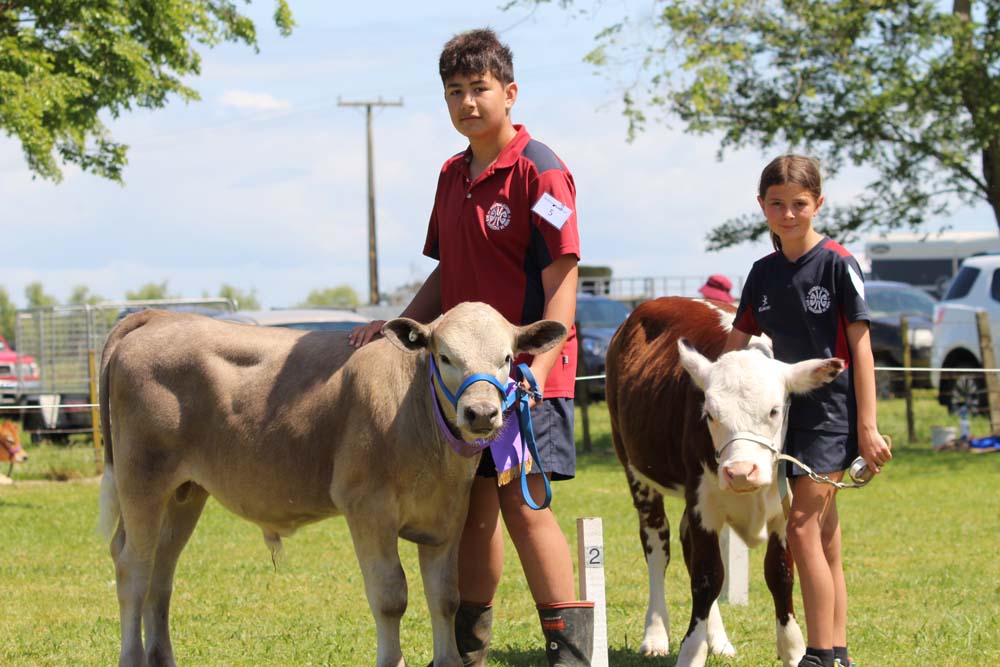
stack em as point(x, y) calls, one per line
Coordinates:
point(504, 231)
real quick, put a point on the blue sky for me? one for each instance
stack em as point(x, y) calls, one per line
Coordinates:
point(262, 184)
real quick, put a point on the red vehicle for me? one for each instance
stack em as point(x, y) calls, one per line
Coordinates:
point(18, 374)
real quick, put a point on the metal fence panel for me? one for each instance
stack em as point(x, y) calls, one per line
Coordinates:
point(60, 338)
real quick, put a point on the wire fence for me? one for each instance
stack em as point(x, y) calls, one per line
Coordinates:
point(66, 341)
point(581, 378)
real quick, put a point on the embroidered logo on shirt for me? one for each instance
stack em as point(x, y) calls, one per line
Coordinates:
point(764, 305)
point(818, 300)
point(498, 217)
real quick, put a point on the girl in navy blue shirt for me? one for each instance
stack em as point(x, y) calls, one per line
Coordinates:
point(808, 297)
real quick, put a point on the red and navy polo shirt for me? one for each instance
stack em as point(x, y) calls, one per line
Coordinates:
point(492, 246)
point(805, 307)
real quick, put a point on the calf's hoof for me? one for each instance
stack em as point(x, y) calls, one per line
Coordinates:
point(725, 648)
point(655, 647)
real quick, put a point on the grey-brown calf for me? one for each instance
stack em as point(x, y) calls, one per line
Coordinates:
point(285, 428)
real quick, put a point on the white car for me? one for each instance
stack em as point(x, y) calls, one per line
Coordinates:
point(975, 288)
point(309, 319)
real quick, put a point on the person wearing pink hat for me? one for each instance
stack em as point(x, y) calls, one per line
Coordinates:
point(717, 287)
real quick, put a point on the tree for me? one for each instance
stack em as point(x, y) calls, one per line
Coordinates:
point(63, 64)
point(82, 296)
point(8, 315)
point(244, 300)
point(36, 296)
point(150, 292)
point(902, 87)
point(342, 296)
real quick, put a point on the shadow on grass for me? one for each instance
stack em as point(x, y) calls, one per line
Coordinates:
point(600, 463)
point(616, 657)
point(6, 504)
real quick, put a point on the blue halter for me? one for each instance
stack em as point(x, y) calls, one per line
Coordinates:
point(506, 400)
point(521, 398)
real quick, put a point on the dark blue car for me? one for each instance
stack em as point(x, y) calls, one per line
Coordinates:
point(888, 303)
point(598, 318)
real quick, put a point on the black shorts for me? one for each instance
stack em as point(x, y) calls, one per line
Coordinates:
point(823, 451)
point(552, 422)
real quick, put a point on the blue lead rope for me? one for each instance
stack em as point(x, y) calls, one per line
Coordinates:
point(521, 399)
point(528, 435)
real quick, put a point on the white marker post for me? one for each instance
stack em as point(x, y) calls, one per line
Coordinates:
point(590, 558)
point(736, 562)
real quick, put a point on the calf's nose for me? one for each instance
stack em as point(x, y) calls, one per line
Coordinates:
point(741, 475)
point(481, 416)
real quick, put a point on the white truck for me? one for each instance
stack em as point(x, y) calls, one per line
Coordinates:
point(975, 288)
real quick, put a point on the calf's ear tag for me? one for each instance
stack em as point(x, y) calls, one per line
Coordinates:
point(413, 336)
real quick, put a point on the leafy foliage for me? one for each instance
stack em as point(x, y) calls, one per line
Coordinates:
point(8, 314)
point(899, 86)
point(150, 292)
point(342, 296)
point(244, 300)
point(82, 295)
point(36, 296)
point(64, 64)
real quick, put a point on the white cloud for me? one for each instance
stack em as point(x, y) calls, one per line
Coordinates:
point(244, 99)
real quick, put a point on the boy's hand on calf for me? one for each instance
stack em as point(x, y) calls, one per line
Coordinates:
point(362, 335)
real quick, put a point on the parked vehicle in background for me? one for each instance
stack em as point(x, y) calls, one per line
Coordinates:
point(888, 303)
point(18, 374)
point(309, 319)
point(956, 334)
point(926, 260)
point(598, 318)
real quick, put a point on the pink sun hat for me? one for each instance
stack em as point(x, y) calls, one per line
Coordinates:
point(717, 287)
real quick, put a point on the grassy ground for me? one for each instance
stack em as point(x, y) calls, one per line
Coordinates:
point(920, 554)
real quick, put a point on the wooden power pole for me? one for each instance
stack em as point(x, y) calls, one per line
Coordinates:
point(373, 297)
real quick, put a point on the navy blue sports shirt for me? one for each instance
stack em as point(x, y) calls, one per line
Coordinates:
point(804, 307)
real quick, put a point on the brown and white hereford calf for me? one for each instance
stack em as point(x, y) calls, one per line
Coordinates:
point(285, 428)
point(703, 430)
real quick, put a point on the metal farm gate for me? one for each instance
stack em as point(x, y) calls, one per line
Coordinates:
point(66, 343)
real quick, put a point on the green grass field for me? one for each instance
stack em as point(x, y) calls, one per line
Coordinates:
point(921, 560)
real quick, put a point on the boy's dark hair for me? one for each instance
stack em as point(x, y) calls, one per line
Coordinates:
point(797, 169)
point(476, 52)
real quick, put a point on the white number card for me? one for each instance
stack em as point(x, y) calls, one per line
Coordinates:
point(552, 210)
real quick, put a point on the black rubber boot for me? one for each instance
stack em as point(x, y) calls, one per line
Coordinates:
point(569, 633)
point(813, 661)
point(473, 626)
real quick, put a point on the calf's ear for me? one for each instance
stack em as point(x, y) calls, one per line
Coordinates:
point(406, 334)
point(812, 373)
point(539, 337)
point(694, 363)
